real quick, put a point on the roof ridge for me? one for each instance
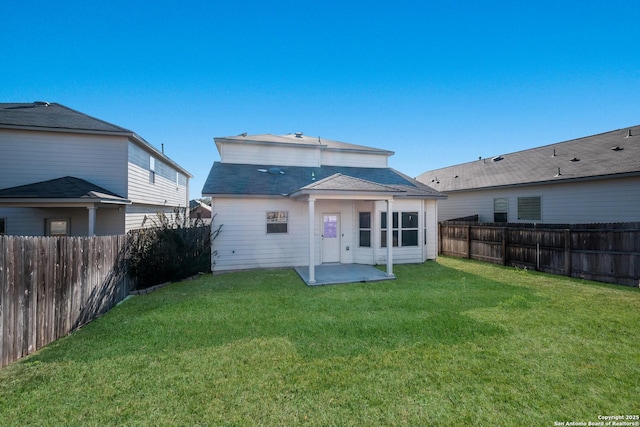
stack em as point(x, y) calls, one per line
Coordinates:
point(91, 117)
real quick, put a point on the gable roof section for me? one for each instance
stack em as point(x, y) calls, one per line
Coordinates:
point(67, 188)
point(46, 115)
point(302, 140)
point(232, 179)
point(608, 154)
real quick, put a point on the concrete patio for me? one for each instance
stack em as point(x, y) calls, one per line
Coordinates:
point(332, 274)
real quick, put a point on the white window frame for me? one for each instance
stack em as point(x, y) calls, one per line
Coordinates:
point(67, 226)
point(397, 229)
point(361, 229)
point(500, 208)
point(152, 170)
point(525, 209)
point(277, 218)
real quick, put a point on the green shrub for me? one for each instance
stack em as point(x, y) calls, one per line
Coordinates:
point(174, 248)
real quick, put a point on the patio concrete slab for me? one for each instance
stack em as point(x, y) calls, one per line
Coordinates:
point(332, 274)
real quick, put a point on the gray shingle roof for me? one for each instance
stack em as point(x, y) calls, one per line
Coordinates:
point(244, 179)
point(52, 116)
point(607, 154)
point(339, 182)
point(67, 187)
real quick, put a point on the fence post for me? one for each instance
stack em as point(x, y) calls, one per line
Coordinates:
point(468, 241)
point(567, 252)
point(504, 246)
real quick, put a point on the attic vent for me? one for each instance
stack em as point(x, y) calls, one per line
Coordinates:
point(616, 148)
point(41, 103)
point(575, 159)
point(298, 134)
point(497, 159)
point(273, 171)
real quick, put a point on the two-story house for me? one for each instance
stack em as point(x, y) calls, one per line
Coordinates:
point(294, 200)
point(65, 173)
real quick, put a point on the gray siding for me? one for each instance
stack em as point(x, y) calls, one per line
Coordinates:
point(165, 191)
point(595, 201)
point(31, 221)
point(30, 156)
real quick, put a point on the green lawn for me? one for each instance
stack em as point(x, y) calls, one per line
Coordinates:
point(452, 342)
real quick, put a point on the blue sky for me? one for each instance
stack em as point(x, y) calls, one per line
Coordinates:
point(439, 83)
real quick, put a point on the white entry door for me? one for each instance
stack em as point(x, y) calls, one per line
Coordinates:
point(330, 237)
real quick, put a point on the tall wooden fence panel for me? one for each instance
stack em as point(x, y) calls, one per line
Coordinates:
point(51, 286)
point(602, 252)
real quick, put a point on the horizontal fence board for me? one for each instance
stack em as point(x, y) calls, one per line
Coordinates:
point(602, 252)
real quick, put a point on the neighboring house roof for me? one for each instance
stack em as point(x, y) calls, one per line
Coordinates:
point(614, 153)
point(195, 204)
point(66, 188)
point(45, 116)
point(302, 140)
point(243, 179)
point(52, 116)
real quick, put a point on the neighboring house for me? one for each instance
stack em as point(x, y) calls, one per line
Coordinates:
point(295, 200)
point(200, 211)
point(65, 173)
point(595, 179)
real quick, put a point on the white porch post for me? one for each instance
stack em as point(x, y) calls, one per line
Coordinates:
point(390, 237)
point(92, 220)
point(312, 267)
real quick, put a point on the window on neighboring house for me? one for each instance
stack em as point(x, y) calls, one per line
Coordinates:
point(3, 226)
point(500, 209)
point(529, 208)
point(57, 227)
point(365, 229)
point(277, 222)
point(405, 232)
point(152, 170)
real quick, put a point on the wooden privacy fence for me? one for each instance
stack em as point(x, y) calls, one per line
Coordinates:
point(602, 252)
point(51, 286)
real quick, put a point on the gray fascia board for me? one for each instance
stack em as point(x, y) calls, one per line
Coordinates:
point(65, 130)
point(35, 201)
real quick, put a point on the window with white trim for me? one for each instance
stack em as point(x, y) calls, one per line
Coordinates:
point(365, 229)
point(277, 222)
point(152, 170)
point(530, 208)
point(404, 229)
point(500, 209)
point(57, 227)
